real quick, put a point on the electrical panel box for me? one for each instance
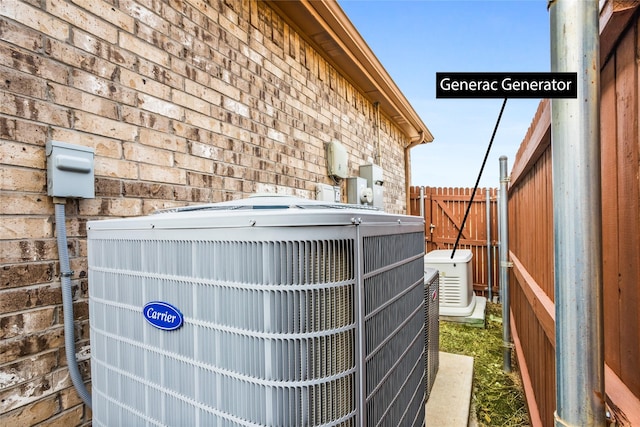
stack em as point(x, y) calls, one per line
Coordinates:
point(377, 196)
point(336, 160)
point(357, 191)
point(375, 180)
point(328, 193)
point(324, 193)
point(70, 171)
point(372, 173)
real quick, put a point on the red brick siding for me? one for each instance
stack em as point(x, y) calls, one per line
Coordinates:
point(183, 102)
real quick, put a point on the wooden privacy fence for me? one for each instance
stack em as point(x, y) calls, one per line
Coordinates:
point(444, 210)
point(531, 240)
point(532, 276)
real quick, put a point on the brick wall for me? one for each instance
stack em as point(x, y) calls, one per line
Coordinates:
point(183, 102)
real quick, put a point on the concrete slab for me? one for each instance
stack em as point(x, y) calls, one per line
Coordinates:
point(475, 319)
point(450, 399)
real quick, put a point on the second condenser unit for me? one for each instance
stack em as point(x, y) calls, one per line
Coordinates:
point(269, 311)
point(432, 345)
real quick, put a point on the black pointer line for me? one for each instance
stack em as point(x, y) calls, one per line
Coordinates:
point(478, 180)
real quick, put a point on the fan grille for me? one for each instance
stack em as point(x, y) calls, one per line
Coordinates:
point(273, 332)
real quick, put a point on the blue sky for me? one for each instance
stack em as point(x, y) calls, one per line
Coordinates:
point(415, 39)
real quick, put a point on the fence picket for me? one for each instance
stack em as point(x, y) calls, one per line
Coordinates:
point(444, 208)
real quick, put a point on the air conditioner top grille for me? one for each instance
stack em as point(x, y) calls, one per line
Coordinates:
point(265, 211)
point(269, 202)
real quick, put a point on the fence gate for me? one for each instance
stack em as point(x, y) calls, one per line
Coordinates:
point(443, 210)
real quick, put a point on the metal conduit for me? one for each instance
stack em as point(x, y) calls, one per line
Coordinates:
point(503, 229)
point(67, 303)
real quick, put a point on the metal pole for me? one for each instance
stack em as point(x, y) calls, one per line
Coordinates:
point(575, 136)
point(422, 202)
point(503, 218)
point(489, 266)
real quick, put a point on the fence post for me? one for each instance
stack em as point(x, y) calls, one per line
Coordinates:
point(503, 219)
point(489, 275)
point(575, 152)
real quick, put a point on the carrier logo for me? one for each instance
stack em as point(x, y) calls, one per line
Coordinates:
point(162, 315)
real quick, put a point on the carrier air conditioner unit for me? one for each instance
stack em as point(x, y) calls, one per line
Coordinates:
point(269, 311)
point(456, 281)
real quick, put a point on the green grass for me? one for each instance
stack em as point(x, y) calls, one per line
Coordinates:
point(497, 396)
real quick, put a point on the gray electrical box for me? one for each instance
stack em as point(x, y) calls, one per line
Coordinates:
point(357, 191)
point(336, 160)
point(375, 180)
point(70, 171)
point(328, 193)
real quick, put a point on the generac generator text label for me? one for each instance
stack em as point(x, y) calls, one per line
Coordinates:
point(506, 85)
